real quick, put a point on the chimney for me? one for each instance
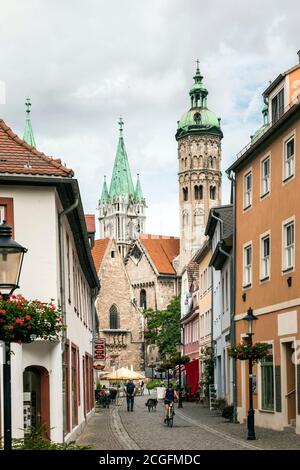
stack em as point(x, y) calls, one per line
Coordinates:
point(298, 56)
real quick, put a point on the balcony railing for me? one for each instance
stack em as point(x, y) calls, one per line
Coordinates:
point(276, 118)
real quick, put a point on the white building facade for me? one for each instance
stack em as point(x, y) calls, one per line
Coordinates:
point(52, 382)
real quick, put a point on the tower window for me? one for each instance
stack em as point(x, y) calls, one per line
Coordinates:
point(185, 193)
point(113, 318)
point(143, 299)
point(212, 192)
point(198, 192)
point(112, 254)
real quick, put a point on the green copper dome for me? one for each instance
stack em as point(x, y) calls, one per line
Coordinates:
point(199, 118)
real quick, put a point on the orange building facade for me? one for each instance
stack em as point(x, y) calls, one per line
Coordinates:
point(267, 256)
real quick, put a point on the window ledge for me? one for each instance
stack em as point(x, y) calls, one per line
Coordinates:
point(272, 412)
point(247, 207)
point(247, 286)
point(287, 270)
point(262, 196)
point(267, 278)
point(288, 178)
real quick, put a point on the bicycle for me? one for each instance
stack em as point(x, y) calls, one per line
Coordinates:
point(170, 416)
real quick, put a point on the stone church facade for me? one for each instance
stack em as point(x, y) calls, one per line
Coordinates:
point(120, 320)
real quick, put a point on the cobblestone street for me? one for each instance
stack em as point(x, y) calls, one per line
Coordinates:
point(195, 427)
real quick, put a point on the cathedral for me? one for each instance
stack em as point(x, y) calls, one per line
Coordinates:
point(139, 270)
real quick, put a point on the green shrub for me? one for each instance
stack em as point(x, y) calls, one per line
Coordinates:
point(36, 441)
point(153, 384)
point(227, 412)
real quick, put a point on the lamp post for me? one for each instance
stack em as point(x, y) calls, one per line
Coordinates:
point(179, 346)
point(167, 356)
point(249, 318)
point(11, 259)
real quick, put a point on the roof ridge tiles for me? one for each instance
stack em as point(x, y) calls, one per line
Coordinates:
point(52, 161)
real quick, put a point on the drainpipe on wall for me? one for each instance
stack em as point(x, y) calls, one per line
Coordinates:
point(232, 296)
point(62, 292)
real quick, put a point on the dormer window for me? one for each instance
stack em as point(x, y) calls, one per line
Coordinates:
point(277, 106)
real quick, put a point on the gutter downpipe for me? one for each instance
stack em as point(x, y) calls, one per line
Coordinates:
point(233, 293)
point(62, 284)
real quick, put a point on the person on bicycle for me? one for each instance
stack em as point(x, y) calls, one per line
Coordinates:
point(170, 396)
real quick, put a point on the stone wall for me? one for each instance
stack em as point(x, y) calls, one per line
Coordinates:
point(124, 346)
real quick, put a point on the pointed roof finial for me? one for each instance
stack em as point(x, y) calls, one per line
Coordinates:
point(28, 106)
point(197, 62)
point(121, 124)
point(28, 132)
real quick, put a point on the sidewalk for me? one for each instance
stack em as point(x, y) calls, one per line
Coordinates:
point(265, 438)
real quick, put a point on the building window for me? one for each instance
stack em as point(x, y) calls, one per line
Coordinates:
point(7, 212)
point(202, 332)
point(66, 388)
point(289, 158)
point(185, 193)
point(277, 106)
point(265, 257)
point(212, 192)
point(68, 269)
point(112, 254)
point(247, 265)
point(265, 176)
point(113, 318)
point(143, 299)
point(248, 190)
point(74, 389)
point(198, 192)
point(267, 382)
point(289, 245)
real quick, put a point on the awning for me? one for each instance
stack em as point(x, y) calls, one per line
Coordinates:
point(192, 374)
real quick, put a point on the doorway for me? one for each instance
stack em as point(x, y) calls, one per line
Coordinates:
point(36, 400)
point(289, 384)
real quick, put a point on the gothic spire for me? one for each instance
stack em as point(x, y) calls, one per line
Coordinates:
point(121, 181)
point(138, 194)
point(104, 195)
point(28, 132)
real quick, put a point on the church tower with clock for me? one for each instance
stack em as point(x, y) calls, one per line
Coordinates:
point(122, 208)
point(199, 137)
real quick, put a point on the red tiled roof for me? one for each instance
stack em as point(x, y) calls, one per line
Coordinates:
point(90, 223)
point(17, 157)
point(98, 251)
point(162, 251)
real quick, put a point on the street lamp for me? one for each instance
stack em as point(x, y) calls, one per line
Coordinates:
point(249, 318)
point(179, 346)
point(11, 259)
point(168, 356)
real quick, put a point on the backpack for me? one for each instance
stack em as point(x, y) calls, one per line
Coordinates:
point(130, 388)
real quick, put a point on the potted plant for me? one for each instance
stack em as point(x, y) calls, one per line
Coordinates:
point(23, 321)
point(245, 350)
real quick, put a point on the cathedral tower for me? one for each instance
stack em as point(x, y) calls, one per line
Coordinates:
point(122, 208)
point(199, 137)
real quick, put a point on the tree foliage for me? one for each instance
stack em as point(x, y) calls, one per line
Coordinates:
point(163, 327)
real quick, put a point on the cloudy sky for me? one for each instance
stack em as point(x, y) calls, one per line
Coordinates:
point(83, 63)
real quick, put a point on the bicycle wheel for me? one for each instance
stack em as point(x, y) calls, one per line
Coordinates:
point(170, 422)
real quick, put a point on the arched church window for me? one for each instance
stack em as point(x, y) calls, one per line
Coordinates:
point(212, 192)
point(143, 299)
point(185, 218)
point(198, 192)
point(195, 162)
point(113, 318)
point(185, 193)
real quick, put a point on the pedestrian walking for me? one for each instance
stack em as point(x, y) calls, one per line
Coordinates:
point(130, 392)
point(142, 387)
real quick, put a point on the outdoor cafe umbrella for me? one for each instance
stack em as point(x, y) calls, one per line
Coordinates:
point(123, 374)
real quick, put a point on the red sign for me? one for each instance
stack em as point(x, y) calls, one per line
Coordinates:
point(100, 349)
